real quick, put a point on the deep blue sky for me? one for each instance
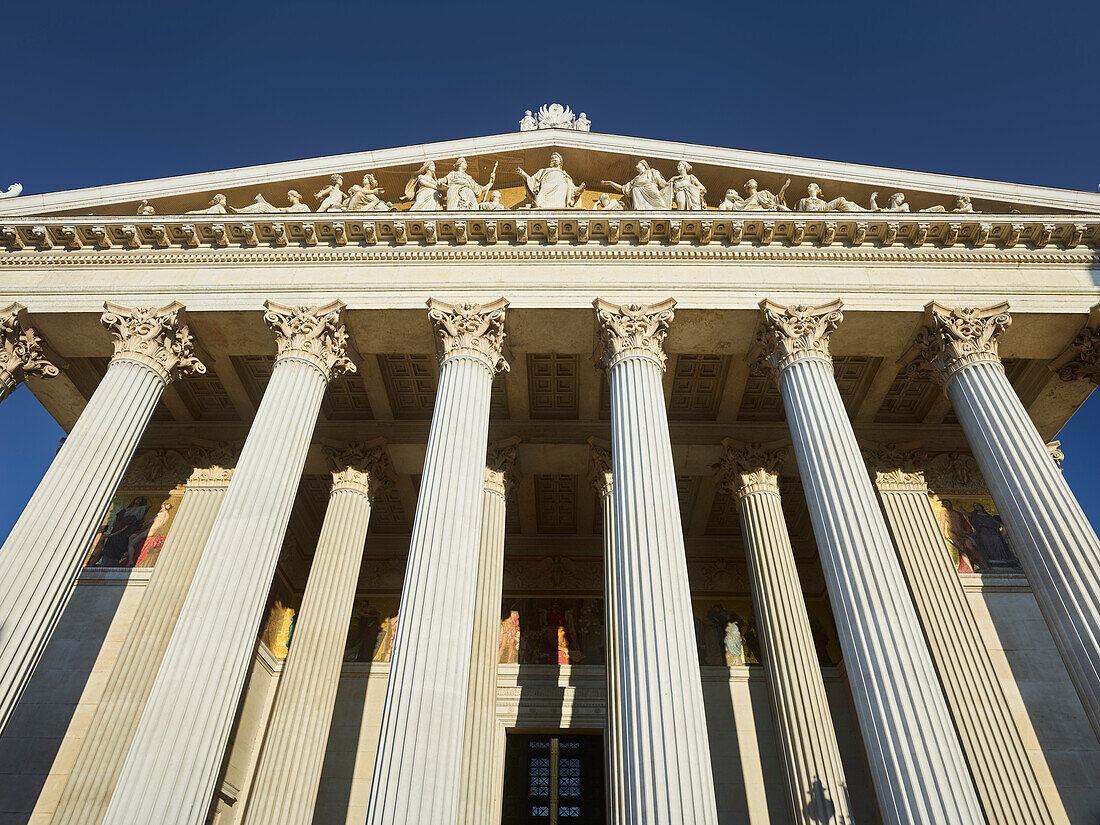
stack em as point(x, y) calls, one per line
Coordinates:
point(104, 93)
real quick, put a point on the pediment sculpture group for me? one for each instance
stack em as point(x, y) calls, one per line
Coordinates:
point(553, 188)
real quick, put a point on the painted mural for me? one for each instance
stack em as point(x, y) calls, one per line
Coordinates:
point(372, 629)
point(277, 630)
point(975, 533)
point(134, 529)
point(555, 631)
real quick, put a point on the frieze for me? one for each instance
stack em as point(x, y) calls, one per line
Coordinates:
point(954, 471)
point(158, 469)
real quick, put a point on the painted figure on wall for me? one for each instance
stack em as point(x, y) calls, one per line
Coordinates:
point(989, 533)
point(371, 629)
point(145, 544)
point(115, 543)
point(975, 533)
point(725, 637)
point(134, 529)
point(554, 632)
point(960, 537)
point(509, 639)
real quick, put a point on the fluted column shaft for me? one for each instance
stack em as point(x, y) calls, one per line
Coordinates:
point(1057, 546)
point(914, 755)
point(1005, 779)
point(915, 759)
point(289, 771)
point(666, 766)
point(816, 787)
point(88, 788)
point(47, 545)
point(417, 768)
point(481, 795)
point(172, 765)
point(43, 553)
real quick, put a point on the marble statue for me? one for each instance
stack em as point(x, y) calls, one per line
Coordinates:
point(494, 202)
point(605, 201)
point(647, 189)
point(260, 205)
point(687, 191)
point(332, 196)
point(295, 202)
point(556, 116)
point(582, 123)
point(365, 198)
point(424, 190)
point(758, 199)
point(12, 191)
point(145, 208)
point(528, 123)
point(962, 204)
point(217, 207)
point(462, 191)
point(813, 202)
point(734, 645)
point(896, 203)
point(732, 202)
point(552, 187)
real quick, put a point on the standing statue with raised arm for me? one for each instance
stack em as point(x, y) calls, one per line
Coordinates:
point(552, 187)
point(647, 190)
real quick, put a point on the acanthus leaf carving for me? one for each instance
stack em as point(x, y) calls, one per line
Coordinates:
point(1080, 361)
point(895, 467)
point(956, 337)
point(22, 351)
point(633, 329)
point(500, 461)
point(749, 468)
point(470, 329)
point(158, 338)
point(213, 464)
point(599, 467)
point(314, 334)
point(364, 468)
point(788, 333)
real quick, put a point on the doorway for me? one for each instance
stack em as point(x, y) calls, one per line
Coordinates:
point(554, 779)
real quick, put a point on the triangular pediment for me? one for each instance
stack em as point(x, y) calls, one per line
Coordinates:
point(589, 157)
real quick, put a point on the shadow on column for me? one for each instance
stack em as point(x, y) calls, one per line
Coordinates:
point(38, 727)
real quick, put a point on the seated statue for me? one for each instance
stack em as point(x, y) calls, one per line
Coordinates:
point(365, 198)
point(494, 202)
point(962, 204)
point(216, 207)
point(732, 202)
point(605, 201)
point(763, 200)
point(813, 202)
point(146, 209)
point(260, 204)
point(896, 203)
point(552, 187)
point(295, 202)
point(646, 190)
point(461, 191)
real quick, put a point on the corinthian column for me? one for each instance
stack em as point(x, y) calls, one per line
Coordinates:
point(21, 350)
point(44, 551)
point(287, 776)
point(816, 788)
point(417, 769)
point(1057, 547)
point(1005, 779)
point(603, 482)
point(172, 765)
point(657, 709)
point(919, 772)
point(482, 759)
point(92, 778)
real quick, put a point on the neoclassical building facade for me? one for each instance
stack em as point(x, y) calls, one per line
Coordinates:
point(552, 477)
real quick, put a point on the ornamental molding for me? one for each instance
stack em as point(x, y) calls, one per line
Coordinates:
point(954, 471)
point(73, 239)
point(361, 468)
point(22, 352)
point(789, 333)
point(626, 330)
point(313, 334)
point(500, 461)
point(1080, 361)
point(749, 468)
point(156, 338)
point(158, 470)
point(896, 468)
point(955, 337)
point(475, 330)
point(599, 468)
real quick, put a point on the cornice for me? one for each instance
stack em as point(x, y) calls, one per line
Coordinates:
point(570, 234)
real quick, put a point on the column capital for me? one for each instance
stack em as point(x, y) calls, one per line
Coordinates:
point(470, 329)
point(1080, 361)
point(22, 351)
point(158, 338)
point(363, 468)
point(315, 334)
point(500, 465)
point(633, 329)
point(955, 337)
point(599, 467)
point(1056, 454)
point(749, 468)
point(214, 464)
point(895, 468)
point(790, 333)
